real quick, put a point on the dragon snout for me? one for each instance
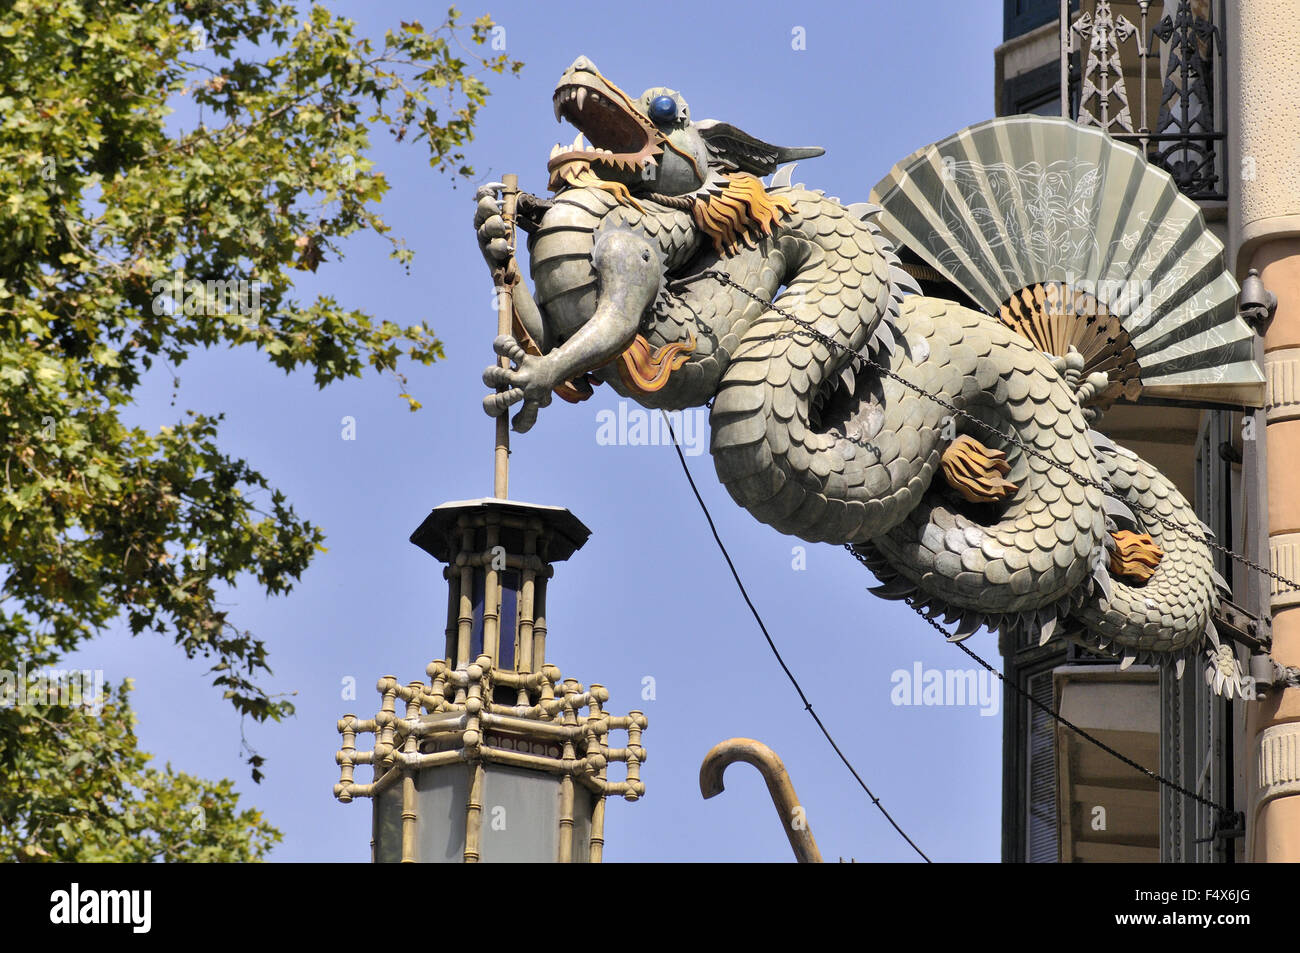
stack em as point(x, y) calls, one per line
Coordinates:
point(581, 63)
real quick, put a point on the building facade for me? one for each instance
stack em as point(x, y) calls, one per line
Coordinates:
point(1153, 74)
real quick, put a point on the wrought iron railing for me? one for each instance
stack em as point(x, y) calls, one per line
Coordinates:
point(1188, 140)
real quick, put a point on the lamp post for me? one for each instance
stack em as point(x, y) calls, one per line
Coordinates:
point(497, 757)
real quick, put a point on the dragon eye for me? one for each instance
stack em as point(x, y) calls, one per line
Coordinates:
point(663, 109)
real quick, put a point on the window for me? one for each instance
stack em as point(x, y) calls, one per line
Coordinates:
point(1021, 16)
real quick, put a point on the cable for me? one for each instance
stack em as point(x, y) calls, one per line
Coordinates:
point(772, 645)
point(1064, 721)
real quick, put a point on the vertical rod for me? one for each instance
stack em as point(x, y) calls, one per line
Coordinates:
point(1107, 37)
point(1065, 59)
point(492, 601)
point(474, 813)
point(466, 620)
point(410, 815)
point(1144, 55)
point(539, 622)
point(635, 723)
point(503, 277)
point(410, 819)
point(347, 756)
point(527, 598)
point(387, 715)
point(597, 853)
point(524, 634)
point(566, 819)
point(453, 615)
point(1220, 68)
point(572, 700)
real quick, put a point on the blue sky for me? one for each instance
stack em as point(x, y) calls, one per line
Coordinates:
point(876, 81)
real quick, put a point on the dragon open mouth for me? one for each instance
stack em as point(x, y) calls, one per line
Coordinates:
point(621, 139)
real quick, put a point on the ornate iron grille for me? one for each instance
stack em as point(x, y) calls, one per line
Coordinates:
point(1188, 141)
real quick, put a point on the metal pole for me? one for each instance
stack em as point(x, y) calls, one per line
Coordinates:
point(1144, 56)
point(779, 786)
point(503, 277)
point(1065, 59)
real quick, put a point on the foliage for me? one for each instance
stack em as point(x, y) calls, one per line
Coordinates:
point(74, 786)
point(170, 168)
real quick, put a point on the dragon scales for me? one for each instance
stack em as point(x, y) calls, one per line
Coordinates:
point(819, 420)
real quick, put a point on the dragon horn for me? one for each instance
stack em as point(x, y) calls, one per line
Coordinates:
point(747, 153)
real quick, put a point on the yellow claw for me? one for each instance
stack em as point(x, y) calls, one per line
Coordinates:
point(976, 472)
point(645, 369)
point(1136, 555)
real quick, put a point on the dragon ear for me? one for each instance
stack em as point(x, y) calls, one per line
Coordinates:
point(730, 146)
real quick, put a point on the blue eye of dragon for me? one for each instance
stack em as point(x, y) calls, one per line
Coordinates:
point(663, 109)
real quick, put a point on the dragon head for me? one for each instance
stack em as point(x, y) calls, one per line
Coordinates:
point(649, 144)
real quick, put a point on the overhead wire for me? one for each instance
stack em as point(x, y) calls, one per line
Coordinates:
point(771, 644)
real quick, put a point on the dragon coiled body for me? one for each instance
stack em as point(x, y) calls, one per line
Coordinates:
point(838, 457)
point(836, 396)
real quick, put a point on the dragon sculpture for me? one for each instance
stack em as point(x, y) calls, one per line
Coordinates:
point(653, 269)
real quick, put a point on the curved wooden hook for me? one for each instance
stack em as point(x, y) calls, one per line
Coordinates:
point(778, 786)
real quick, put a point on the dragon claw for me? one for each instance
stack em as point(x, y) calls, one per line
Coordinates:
point(529, 381)
point(496, 404)
point(508, 347)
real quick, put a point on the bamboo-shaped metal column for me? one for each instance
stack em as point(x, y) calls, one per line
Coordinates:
point(410, 808)
point(503, 277)
point(527, 591)
point(465, 602)
point(572, 690)
point(492, 596)
point(452, 575)
point(539, 618)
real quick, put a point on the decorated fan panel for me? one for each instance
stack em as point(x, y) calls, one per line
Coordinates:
point(1073, 238)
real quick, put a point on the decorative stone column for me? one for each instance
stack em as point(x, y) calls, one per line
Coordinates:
point(1264, 141)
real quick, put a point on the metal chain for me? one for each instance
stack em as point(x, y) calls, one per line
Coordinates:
point(807, 328)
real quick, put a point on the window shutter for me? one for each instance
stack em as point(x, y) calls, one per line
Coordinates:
point(1042, 838)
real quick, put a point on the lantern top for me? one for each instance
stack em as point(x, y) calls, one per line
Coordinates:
point(439, 534)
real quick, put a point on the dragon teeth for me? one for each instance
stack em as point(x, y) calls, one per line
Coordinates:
point(582, 97)
point(577, 143)
point(556, 103)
